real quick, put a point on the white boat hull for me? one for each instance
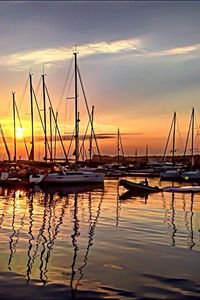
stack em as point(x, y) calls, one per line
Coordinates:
point(68, 178)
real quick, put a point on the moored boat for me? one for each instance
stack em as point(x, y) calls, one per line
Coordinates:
point(191, 175)
point(67, 177)
point(170, 175)
point(139, 187)
point(183, 189)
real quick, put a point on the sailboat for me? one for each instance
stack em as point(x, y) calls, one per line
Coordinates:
point(173, 174)
point(191, 174)
point(66, 176)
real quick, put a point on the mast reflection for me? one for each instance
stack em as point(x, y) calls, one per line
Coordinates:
point(174, 229)
point(91, 233)
point(29, 266)
point(75, 235)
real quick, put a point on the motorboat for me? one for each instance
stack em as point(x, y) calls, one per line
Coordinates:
point(7, 181)
point(139, 187)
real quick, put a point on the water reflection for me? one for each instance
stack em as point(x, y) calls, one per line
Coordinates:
point(173, 226)
point(74, 236)
point(170, 204)
point(14, 237)
point(42, 237)
point(91, 233)
point(39, 228)
point(76, 233)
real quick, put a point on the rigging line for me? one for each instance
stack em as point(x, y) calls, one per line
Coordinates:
point(197, 128)
point(65, 84)
point(169, 135)
point(122, 148)
point(88, 111)
point(187, 139)
point(39, 113)
point(65, 117)
point(58, 130)
point(38, 89)
point(181, 139)
point(5, 143)
point(24, 139)
point(23, 94)
point(70, 143)
point(38, 86)
point(82, 145)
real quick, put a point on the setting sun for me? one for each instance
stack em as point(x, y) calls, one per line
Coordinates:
point(19, 133)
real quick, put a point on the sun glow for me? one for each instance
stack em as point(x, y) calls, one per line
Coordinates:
point(19, 133)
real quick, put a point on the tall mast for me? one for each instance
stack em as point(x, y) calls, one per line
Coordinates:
point(118, 145)
point(14, 128)
point(51, 141)
point(55, 137)
point(45, 118)
point(76, 109)
point(192, 142)
point(174, 139)
point(31, 157)
point(147, 153)
point(92, 119)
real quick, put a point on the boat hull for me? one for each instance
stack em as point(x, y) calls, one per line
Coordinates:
point(170, 176)
point(138, 187)
point(67, 179)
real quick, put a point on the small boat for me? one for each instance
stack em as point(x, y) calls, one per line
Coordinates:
point(7, 181)
point(139, 187)
point(183, 189)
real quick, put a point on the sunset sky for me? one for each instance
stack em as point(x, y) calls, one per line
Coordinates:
point(140, 62)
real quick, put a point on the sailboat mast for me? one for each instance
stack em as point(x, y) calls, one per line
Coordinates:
point(32, 121)
point(118, 145)
point(76, 109)
point(92, 119)
point(14, 128)
point(174, 139)
point(55, 136)
point(192, 141)
point(147, 153)
point(51, 135)
point(45, 118)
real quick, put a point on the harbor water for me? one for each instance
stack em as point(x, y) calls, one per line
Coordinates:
point(99, 243)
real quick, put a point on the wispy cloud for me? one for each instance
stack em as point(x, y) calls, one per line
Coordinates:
point(176, 51)
point(53, 55)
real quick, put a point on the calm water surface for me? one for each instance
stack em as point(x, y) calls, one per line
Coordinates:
point(99, 244)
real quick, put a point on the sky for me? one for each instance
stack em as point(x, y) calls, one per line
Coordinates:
point(139, 62)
